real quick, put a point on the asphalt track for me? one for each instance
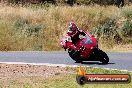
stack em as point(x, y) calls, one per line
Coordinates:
point(121, 61)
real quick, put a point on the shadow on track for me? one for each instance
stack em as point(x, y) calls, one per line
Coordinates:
point(95, 63)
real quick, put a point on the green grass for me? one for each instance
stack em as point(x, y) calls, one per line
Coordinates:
point(63, 81)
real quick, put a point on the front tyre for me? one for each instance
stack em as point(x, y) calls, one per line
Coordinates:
point(101, 56)
point(75, 55)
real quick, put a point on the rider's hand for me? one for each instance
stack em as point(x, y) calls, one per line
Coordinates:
point(82, 48)
point(77, 49)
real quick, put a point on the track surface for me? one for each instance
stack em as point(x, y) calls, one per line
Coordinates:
point(122, 61)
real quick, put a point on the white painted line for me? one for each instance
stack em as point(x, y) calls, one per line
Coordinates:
point(47, 64)
point(61, 65)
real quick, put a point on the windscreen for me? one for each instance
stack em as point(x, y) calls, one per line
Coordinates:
point(87, 40)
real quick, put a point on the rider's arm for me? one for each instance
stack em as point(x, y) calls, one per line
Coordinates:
point(81, 32)
point(70, 45)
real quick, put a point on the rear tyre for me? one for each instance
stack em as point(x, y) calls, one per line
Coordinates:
point(104, 57)
point(75, 55)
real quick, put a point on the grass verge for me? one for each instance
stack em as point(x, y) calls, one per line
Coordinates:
point(61, 80)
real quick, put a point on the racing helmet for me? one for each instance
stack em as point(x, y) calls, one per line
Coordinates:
point(72, 27)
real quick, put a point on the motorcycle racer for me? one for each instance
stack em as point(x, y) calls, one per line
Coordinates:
point(73, 35)
point(82, 46)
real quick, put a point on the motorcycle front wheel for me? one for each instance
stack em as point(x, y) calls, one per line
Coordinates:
point(75, 55)
point(101, 55)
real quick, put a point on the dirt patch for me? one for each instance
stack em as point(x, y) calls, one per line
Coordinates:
point(12, 71)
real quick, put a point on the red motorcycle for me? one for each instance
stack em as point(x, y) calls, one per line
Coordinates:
point(89, 50)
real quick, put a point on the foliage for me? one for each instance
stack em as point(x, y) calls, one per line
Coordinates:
point(27, 28)
point(62, 2)
point(37, 27)
point(127, 29)
point(108, 32)
point(100, 2)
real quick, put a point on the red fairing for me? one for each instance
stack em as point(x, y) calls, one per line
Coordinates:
point(85, 45)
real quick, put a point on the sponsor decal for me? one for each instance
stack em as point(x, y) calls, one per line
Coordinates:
point(83, 78)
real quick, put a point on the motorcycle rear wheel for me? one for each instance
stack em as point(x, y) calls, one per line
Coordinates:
point(105, 58)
